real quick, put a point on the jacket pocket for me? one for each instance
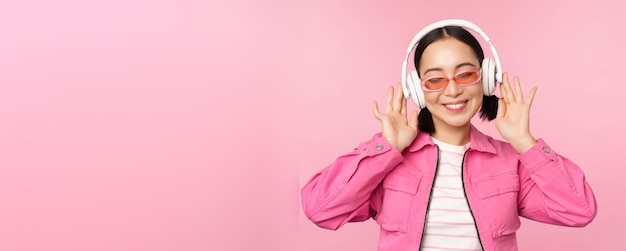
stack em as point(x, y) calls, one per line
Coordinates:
point(498, 195)
point(399, 189)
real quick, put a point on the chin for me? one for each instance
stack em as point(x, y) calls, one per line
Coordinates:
point(457, 120)
point(458, 123)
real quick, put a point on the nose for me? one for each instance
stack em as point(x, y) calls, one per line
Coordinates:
point(453, 89)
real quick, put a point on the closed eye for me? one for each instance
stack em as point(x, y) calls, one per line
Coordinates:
point(436, 80)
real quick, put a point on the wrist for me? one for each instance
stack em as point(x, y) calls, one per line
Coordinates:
point(394, 144)
point(523, 144)
point(397, 147)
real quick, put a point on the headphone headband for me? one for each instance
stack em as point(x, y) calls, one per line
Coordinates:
point(440, 24)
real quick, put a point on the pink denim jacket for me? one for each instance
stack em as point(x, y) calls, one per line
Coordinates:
point(375, 180)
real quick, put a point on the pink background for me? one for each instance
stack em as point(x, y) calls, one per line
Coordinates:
point(192, 125)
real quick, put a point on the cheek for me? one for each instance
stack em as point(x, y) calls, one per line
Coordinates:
point(476, 90)
point(477, 96)
point(431, 97)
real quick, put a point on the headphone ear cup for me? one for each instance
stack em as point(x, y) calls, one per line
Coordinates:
point(488, 73)
point(416, 89)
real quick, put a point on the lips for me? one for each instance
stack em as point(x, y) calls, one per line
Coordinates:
point(456, 105)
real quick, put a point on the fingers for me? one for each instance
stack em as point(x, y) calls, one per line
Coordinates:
point(519, 95)
point(395, 103)
point(399, 97)
point(505, 81)
point(531, 96)
point(501, 108)
point(505, 89)
point(389, 99)
point(376, 111)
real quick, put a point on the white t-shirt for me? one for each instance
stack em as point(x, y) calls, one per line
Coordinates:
point(449, 222)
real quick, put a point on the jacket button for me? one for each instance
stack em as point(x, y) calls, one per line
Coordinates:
point(546, 149)
point(379, 147)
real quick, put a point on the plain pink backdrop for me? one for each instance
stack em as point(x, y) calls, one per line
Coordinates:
point(192, 125)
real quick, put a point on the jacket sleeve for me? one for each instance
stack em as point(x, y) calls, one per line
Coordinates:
point(553, 189)
point(345, 190)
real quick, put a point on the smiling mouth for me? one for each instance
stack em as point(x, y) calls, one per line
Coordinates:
point(456, 106)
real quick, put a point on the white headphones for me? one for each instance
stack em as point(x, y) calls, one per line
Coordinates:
point(491, 73)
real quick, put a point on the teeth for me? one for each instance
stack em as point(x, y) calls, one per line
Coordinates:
point(455, 106)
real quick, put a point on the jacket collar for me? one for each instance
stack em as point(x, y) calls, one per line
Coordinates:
point(478, 141)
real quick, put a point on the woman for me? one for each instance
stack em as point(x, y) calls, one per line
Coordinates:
point(441, 184)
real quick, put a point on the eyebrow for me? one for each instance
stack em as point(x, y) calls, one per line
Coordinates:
point(457, 67)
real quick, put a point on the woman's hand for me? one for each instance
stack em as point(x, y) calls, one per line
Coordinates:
point(397, 130)
point(513, 116)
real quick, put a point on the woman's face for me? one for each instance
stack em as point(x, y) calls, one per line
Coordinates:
point(455, 105)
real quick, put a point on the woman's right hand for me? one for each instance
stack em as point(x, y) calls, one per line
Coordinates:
point(397, 130)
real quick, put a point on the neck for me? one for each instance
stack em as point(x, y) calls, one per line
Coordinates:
point(452, 135)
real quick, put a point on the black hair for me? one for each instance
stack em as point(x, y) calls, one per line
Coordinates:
point(489, 108)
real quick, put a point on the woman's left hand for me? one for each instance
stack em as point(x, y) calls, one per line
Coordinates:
point(513, 116)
